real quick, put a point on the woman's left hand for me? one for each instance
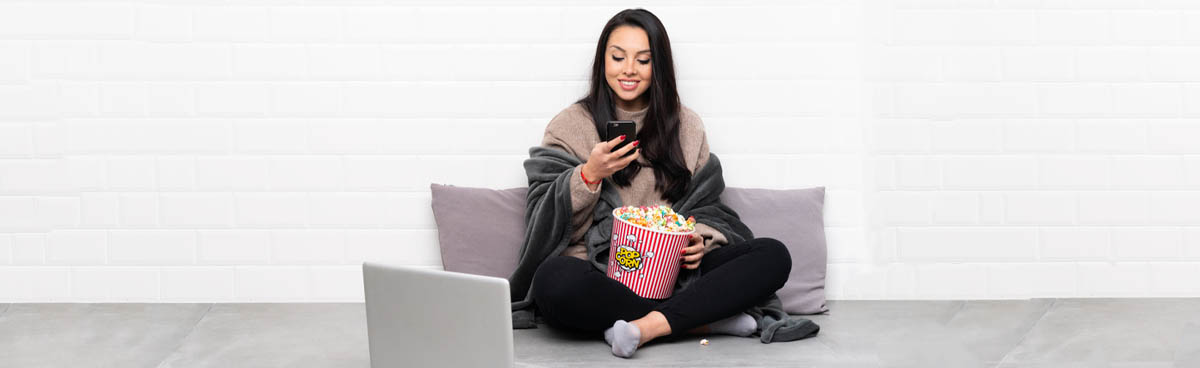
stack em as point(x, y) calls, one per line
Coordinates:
point(694, 252)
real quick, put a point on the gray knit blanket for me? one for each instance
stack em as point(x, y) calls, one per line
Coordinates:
point(548, 227)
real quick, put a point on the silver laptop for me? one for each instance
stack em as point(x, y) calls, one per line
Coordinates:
point(428, 318)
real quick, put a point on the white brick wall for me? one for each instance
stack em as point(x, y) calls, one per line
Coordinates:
point(260, 151)
point(1027, 145)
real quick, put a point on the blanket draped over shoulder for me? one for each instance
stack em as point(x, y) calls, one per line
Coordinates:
point(548, 227)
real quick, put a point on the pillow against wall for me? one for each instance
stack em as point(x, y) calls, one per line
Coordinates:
point(795, 217)
point(480, 231)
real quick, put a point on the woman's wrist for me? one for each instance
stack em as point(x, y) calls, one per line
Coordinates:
point(591, 179)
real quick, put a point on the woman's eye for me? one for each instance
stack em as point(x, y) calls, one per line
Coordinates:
point(615, 58)
point(644, 62)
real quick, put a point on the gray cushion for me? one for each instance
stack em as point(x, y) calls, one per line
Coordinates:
point(795, 217)
point(480, 232)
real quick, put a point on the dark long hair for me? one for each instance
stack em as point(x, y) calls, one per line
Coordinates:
point(659, 137)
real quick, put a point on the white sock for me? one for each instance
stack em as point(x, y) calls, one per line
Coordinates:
point(624, 338)
point(608, 336)
point(741, 324)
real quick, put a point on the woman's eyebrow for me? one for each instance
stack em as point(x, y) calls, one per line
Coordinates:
point(639, 52)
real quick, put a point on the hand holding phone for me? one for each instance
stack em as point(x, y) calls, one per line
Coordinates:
point(612, 155)
point(617, 128)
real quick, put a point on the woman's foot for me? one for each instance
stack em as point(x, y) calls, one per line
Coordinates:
point(741, 324)
point(624, 337)
point(627, 337)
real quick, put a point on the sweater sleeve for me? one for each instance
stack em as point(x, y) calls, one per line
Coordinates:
point(695, 142)
point(583, 200)
point(572, 131)
point(702, 155)
point(693, 139)
point(582, 196)
point(713, 239)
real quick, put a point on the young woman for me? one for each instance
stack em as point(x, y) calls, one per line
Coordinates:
point(633, 78)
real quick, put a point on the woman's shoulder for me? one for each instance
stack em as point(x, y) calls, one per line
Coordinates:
point(689, 120)
point(571, 119)
point(574, 113)
point(687, 114)
point(690, 125)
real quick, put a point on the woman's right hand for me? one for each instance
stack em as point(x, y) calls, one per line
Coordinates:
point(603, 163)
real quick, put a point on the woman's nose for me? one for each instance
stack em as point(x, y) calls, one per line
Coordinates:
point(628, 66)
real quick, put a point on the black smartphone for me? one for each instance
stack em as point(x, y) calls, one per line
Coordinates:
point(617, 128)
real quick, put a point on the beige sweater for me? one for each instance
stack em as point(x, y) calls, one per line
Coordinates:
point(573, 131)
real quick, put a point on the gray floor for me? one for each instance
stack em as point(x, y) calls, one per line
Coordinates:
point(1029, 333)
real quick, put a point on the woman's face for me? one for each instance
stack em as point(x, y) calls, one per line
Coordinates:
point(627, 66)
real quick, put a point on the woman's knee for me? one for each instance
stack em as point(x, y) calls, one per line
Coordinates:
point(554, 278)
point(776, 256)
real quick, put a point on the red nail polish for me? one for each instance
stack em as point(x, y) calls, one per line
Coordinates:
point(635, 143)
point(622, 137)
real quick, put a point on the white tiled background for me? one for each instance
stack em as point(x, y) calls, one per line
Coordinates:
point(261, 150)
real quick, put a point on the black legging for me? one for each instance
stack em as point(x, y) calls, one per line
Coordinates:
point(572, 294)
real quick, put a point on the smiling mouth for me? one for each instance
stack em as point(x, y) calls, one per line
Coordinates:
point(628, 85)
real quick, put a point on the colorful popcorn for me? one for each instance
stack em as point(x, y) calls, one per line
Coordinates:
point(661, 218)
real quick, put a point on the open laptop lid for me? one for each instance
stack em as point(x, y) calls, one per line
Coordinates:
point(428, 318)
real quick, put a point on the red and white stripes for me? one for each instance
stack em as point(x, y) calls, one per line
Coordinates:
point(659, 258)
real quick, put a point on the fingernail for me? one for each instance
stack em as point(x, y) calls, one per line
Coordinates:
point(635, 143)
point(622, 137)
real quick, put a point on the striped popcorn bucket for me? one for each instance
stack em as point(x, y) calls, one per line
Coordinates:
point(645, 260)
